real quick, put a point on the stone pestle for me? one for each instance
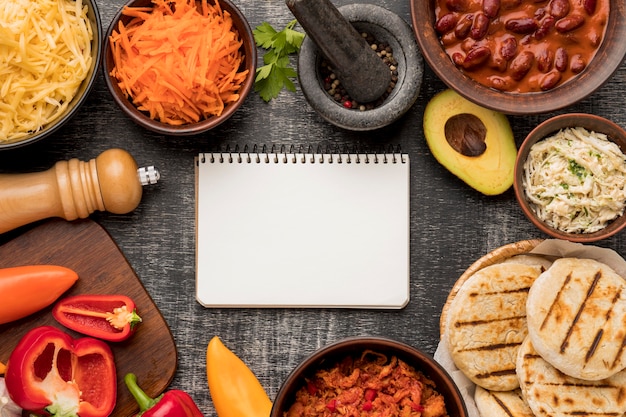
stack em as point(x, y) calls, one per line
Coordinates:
point(360, 70)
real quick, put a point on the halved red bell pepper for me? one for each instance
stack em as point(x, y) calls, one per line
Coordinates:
point(51, 373)
point(174, 403)
point(108, 317)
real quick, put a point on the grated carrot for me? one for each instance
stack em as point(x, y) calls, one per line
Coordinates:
point(179, 61)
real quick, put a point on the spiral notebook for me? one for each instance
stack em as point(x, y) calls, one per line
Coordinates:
point(279, 229)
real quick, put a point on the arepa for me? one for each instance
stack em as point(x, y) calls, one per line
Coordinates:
point(577, 316)
point(551, 393)
point(487, 323)
point(501, 403)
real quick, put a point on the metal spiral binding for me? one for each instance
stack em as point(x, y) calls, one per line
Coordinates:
point(303, 154)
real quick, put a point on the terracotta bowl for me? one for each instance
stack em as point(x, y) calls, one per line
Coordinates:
point(83, 90)
point(329, 355)
point(248, 49)
point(548, 128)
point(598, 71)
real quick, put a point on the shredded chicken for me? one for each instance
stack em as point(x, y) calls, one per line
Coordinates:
point(576, 180)
point(371, 385)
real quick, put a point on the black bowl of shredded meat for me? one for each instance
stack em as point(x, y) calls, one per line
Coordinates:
point(368, 376)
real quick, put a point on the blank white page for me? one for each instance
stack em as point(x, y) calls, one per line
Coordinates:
point(295, 230)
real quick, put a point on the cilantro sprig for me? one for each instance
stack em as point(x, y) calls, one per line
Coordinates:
point(276, 72)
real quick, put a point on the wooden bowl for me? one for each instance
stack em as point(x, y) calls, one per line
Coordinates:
point(598, 71)
point(548, 128)
point(248, 49)
point(355, 346)
point(81, 94)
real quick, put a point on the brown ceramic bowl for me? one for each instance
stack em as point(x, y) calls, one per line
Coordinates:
point(82, 93)
point(141, 118)
point(329, 355)
point(598, 71)
point(548, 128)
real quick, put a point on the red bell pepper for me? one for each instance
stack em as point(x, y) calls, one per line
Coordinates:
point(108, 317)
point(51, 373)
point(174, 403)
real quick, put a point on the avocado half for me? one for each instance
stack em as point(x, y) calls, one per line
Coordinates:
point(474, 143)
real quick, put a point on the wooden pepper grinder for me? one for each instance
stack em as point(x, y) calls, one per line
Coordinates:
point(74, 189)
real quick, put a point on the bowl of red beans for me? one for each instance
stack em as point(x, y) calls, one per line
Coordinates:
point(522, 56)
point(368, 376)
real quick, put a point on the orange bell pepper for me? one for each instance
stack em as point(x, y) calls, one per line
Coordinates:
point(234, 389)
point(28, 289)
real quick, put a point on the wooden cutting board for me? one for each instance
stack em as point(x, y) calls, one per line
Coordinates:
point(88, 249)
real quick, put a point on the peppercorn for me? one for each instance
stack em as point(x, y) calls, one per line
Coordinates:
point(333, 86)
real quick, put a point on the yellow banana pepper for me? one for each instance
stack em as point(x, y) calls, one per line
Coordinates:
point(234, 389)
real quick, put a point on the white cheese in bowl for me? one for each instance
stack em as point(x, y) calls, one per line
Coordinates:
point(45, 54)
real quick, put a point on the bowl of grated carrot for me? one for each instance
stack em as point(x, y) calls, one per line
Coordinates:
point(179, 67)
point(39, 95)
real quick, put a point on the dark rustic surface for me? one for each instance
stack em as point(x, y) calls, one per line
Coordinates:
point(451, 224)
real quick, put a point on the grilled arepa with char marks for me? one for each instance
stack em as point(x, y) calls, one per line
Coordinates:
point(501, 403)
point(577, 318)
point(551, 393)
point(487, 323)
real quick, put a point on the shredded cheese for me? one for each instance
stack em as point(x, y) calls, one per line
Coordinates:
point(576, 180)
point(45, 54)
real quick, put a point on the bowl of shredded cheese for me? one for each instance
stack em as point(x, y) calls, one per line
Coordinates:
point(570, 177)
point(50, 57)
point(179, 67)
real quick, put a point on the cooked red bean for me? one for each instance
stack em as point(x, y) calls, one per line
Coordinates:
point(491, 8)
point(500, 83)
point(457, 5)
point(524, 25)
point(561, 59)
point(521, 65)
point(508, 48)
point(590, 6)
point(480, 26)
point(446, 23)
point(550, 80)
point(539, 13)
point(544, 58)
point(462, 28)
point(510, 4)
point(569, 23)
point(559, 8)
point(577, 64)
point(458, 59)
point(476, 57)
point(545, 25)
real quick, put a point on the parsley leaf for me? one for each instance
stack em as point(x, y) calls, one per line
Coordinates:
point(276, 73)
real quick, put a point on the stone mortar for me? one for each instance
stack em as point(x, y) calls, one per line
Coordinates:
point(385, 26)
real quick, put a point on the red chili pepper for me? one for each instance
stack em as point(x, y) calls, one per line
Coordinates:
point(367, 406)
point(174, 403)
point(108, 317)
point(332, 405)
point(370, 394)
point(51, 373)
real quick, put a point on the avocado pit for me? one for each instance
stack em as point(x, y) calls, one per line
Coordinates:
point(466, 134)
